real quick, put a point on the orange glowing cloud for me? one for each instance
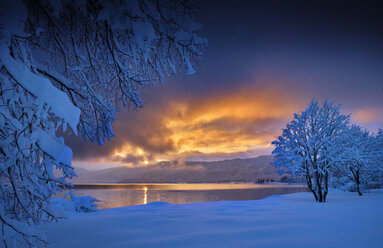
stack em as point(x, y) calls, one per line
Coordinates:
point(223, 125)
point(367, 115)
point(229, 123)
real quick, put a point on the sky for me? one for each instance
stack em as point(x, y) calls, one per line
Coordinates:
point(265, 60)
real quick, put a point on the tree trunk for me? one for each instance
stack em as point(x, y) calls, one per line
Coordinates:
point(325, 186)
point(319, 187)
point(318, 179)
point(357, 180)
point(310, 184)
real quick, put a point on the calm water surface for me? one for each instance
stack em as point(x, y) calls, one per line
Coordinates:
point(120, 195)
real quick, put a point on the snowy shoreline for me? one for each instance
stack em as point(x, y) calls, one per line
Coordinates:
point(293, 220)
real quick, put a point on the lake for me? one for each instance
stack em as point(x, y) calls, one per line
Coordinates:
point(120, 195)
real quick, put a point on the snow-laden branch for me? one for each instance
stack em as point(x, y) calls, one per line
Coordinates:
point(76, 63)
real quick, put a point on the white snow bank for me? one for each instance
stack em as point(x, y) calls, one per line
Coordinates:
point(295, 220)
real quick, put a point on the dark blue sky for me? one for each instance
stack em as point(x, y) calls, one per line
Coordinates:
point(265, 60)
point(321, 42)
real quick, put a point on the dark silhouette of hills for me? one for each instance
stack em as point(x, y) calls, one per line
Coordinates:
point(233, 170)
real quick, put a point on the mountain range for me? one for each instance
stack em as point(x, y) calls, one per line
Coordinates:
point(257, 169)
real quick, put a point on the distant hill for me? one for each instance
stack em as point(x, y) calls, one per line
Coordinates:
point(233, 170)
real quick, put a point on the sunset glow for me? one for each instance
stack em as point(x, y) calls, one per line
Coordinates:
point(368, 115)
point(229, 124)
point(240, 123)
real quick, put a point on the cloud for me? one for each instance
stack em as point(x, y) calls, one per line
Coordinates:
point(369, 117)
point(241, 122)
point(237, 123)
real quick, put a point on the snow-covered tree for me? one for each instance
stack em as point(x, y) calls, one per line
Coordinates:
point(75, 63)
point(303, 147)
point(359, 161)
point(353, 161)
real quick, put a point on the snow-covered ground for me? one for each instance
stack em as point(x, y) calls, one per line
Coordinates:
point(294, 220)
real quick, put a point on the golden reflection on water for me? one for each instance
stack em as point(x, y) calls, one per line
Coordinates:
point(145, 195)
